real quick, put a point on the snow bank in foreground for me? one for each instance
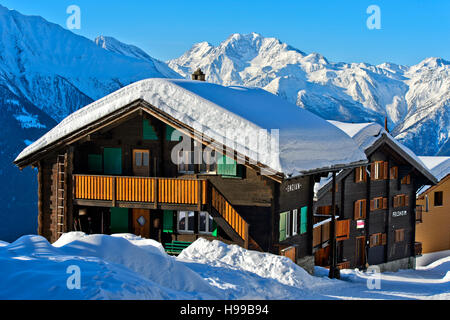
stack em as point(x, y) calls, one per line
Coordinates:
point(125, 266)
point(119, 267)
point(266, 265)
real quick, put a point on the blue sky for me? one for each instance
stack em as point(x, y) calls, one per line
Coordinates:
point(410, 30)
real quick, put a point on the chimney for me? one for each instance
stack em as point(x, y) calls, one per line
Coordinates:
point(385, 125)
point(198, 75)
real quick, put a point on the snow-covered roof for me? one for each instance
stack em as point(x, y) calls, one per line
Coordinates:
point(439, 166)
point(306, 141)
point(366, 135)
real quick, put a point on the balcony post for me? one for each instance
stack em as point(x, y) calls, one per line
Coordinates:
point(113, 191)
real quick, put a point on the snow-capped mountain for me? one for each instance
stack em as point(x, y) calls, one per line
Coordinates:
point(414, 99)
point(46, 73)
point(114, 45)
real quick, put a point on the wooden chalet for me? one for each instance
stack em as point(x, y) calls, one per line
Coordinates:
point(375, 208)
point(433, 208)
point(107, 168)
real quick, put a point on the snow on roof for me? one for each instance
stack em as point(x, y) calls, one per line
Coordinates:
point(306, 141)
point(365, 136)
point(439, 166)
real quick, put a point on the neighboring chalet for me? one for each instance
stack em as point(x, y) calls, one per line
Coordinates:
point(433, 202)
point(374, 204)
point(109, 167)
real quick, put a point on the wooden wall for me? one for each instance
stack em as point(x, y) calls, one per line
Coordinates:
point(377, 221)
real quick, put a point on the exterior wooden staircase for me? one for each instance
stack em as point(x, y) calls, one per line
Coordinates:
point(226, 216)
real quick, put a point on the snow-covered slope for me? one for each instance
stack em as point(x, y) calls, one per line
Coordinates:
point(414, 99)
point(114, 45)
point(47, 72)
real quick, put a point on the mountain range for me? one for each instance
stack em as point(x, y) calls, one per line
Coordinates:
point(47, 72)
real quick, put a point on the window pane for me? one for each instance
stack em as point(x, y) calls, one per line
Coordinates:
point(202, 222)
point(138, 158)
point(145, 159)
point(182, 220)
point(190, 221)
point(210, 223)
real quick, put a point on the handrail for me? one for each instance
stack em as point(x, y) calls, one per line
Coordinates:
point(231, 216)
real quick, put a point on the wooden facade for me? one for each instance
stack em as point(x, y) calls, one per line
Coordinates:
point(118, 176)
point(377, 203)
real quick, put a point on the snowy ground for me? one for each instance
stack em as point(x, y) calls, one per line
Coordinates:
point(128, 267)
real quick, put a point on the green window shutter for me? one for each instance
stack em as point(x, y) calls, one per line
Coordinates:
point(119, 220)
point(148, 131)
point(112, 160)
point(168, 221)
point(228, 167)
point(283, 216)
point(303, 220)
point(214, 233)
point(95, 163)
point(170, 131)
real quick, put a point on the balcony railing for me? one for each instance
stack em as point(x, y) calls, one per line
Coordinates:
point(140, 189)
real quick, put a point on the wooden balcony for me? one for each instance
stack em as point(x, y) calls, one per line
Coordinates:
point(143, 192)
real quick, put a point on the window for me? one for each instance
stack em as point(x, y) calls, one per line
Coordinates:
point(141, 158)
point(294, 222)
point(360, 209)
point(288, 224)
point(378, 203)
point(406, 179)
point(186, 221)
point(379, 170)
point(209, 162)
point(394, 173)
point(426, 203)
point(186, 161)
point(206, 223)
point(399, 235)
point(377, 239)
point(438, 198)
point(360, 174)
point(401, 200)
point(228, 167)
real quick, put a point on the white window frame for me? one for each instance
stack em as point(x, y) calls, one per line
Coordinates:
point(186, 229)
point(208, 227)
point(295, 222)
point(288, 224)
